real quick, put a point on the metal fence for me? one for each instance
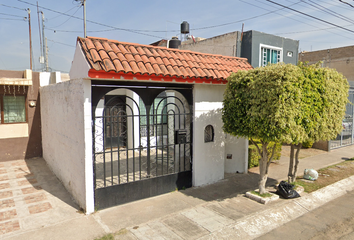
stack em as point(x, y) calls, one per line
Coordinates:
point(346, 137)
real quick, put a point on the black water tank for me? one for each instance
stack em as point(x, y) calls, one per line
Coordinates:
point(185, 27)
point(174, 42)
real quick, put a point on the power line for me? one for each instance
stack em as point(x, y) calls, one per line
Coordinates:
point(330, 12)
point(325, 29)
point(13, 7)
point(68, 18)
point(14, 19)
point(12, 15)
point(346, 3)
point(101, 24)
point(346, 29)
point(61, 43)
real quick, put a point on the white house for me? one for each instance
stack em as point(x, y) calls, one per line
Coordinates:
point(136, 121)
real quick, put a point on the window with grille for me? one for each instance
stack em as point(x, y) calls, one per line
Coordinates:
point(13, 109)
point(270, 54)
point(158, 116)
point(209, 134)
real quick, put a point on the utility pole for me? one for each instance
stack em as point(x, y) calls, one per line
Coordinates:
point(46, 56)
point(84, 3)
point(40, 36)
point(45, 49)
point(30, 35)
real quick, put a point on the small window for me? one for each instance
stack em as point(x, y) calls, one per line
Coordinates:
point(209, 134)
point(13, 109)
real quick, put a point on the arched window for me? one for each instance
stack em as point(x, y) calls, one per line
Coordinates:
point(209, 134)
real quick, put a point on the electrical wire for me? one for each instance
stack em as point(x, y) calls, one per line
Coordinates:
point(328, 11)
point(68, 18)
point(325, 29)
point(61, 43)
point(346, 3)
point(14, 19)
point(12, 15)
point(101, 24)
point(13, 7)
point(346, 29)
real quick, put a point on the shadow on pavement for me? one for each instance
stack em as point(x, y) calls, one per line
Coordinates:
point(231, 186)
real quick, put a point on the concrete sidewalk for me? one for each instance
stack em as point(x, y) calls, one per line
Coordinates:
point(41, 208)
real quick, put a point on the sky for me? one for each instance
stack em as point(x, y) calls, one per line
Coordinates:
point(317, 24)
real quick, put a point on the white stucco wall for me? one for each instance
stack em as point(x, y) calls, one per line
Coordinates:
point(80, 67)
point(208, 158)
point(67, 137)
point(236, 154)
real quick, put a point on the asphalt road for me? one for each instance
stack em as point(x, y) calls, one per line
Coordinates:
point(334, 220)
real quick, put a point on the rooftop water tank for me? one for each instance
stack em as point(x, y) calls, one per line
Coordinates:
point(185, 27)
point(174, 42)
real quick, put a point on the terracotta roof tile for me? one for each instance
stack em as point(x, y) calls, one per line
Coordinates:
point(98, 45)
point(142, 68)
point(138, 58)
point(115, 48)
point(156, 68)
point(133, 50)
point(129, 57)
point(159, 61)
point(89, 44)
point(103, 54)
point(141, 51)
point(166, 62)
point(118, 65)
point(126, 67)
point(145, 59)
point(107, 47)
point(111, 55)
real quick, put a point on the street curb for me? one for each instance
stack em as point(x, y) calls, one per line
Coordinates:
point(257, 224)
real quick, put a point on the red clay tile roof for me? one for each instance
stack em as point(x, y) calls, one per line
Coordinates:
point(121, 57)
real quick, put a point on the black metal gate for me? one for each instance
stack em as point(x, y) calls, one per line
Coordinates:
point(142, 143)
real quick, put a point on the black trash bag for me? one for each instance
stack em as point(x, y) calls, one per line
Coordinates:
point(286, 190)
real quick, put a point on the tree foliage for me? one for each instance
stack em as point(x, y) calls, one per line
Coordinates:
point(263, 103)
point(323, 105)
point(284, 103)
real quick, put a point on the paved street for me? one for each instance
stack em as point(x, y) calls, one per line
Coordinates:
point(334, 220)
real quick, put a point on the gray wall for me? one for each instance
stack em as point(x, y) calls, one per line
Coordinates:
point(252, 40)
point(223, 44)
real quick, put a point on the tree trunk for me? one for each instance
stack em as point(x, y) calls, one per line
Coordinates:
point(291, 163)
point(263, 169)
point(298, 148)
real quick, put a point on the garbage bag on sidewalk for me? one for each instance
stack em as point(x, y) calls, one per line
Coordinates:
point(286, 190)
point(310, 174)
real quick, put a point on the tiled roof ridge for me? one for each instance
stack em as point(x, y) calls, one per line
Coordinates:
point(164, 48)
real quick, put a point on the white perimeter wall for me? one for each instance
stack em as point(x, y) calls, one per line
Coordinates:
point(67, 137)
point(209, 159)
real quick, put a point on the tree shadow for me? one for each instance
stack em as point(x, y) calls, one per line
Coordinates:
point(229, 187)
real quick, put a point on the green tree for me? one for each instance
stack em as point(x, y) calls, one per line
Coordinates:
point(324, 99)
point(263, 104)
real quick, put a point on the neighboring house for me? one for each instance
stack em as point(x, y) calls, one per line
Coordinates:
point(137, 120)
point(259, 48)
point(341, 59)
point(20, 126)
